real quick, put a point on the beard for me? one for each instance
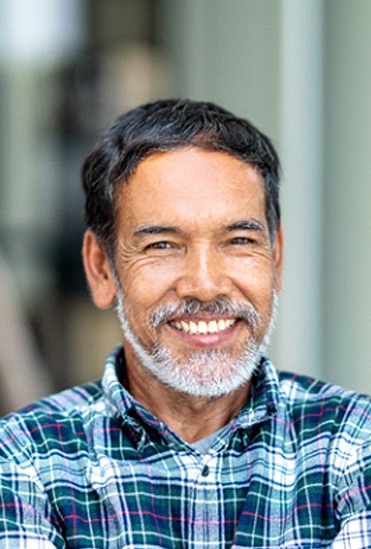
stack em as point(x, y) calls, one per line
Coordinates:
point(209, 373)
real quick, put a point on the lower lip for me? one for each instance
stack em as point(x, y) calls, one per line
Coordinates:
point(206, 340)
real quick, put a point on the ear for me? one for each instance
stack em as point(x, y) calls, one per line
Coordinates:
point(98, 271)
point(278, 257)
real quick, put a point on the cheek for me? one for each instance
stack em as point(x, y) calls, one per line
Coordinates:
point(146, 286)
point(255, 275)
point(257, 285)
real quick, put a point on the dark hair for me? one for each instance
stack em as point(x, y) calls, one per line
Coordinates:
point(167, 125)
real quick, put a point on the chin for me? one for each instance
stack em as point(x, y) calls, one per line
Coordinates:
point(207, 373)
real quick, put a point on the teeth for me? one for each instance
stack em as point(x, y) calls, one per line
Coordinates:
point(221, 325)
point(192, 327)
point(213, 327)
point(184, 326)
point(202, 327)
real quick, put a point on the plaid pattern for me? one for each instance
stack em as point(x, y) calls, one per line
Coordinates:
point(90, 468)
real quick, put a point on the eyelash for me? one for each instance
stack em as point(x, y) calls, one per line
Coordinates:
point(163, 245)
point(242, 240)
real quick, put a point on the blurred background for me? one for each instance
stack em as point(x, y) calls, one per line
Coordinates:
point(299, 69)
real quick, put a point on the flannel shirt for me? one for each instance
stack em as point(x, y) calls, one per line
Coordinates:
point(91, 468)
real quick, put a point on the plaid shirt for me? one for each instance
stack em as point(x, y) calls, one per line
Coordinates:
point(91, 468)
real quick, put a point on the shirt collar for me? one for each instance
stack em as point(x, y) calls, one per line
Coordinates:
point(264, 396)
point(119, 401)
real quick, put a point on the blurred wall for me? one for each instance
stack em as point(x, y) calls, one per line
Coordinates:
point(347, 194)
point(299, 69)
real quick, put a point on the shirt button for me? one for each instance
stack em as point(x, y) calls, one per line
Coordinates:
point(205, 471)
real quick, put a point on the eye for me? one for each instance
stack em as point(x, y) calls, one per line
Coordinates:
point(163, 245)
point(242, 241)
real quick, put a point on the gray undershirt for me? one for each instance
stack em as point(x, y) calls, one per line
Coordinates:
point(204, 445)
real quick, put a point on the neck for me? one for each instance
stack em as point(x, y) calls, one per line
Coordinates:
point(192, 418)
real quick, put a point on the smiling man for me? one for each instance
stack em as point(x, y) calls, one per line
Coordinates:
point(192, 439)
point(194, 273)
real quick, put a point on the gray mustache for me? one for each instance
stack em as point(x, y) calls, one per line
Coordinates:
point(163, 313)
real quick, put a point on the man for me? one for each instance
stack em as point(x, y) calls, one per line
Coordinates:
point(192, 439)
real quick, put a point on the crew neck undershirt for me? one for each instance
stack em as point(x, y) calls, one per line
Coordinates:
point(204, 444)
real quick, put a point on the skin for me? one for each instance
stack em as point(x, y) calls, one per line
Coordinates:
point(191, 224)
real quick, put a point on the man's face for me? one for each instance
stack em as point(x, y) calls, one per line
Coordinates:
point(196, 269)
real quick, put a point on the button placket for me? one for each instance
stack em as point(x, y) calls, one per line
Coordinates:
point(206, 505)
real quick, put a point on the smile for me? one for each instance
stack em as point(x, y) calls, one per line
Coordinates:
point(203, 328)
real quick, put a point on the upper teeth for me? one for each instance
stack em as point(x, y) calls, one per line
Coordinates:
point(202, 327)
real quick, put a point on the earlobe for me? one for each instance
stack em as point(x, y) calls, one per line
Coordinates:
point(98, 271)
point(278, 257)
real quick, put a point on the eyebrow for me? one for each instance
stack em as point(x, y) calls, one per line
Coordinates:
point(144, 230)
point(246, 225)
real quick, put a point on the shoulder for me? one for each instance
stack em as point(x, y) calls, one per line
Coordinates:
point(313, 404)
point(51, 421)
point(300, 389)
point(69, 401)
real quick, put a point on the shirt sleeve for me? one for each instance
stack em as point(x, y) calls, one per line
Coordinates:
point(27, 519)
point(355, 533)
point(354, 502)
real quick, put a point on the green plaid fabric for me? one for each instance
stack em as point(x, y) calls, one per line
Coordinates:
point(91, 468)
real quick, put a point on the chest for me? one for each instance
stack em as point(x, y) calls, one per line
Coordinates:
point(261, 497)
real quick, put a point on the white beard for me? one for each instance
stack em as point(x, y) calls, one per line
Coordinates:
point(207, 373)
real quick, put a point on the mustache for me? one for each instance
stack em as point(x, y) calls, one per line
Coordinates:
point(219, 306)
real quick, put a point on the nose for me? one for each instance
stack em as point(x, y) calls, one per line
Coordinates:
point(203, 276)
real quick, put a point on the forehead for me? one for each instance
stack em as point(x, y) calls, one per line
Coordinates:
point(192, 184)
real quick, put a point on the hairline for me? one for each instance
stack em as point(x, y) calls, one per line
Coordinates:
point(165, 126)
